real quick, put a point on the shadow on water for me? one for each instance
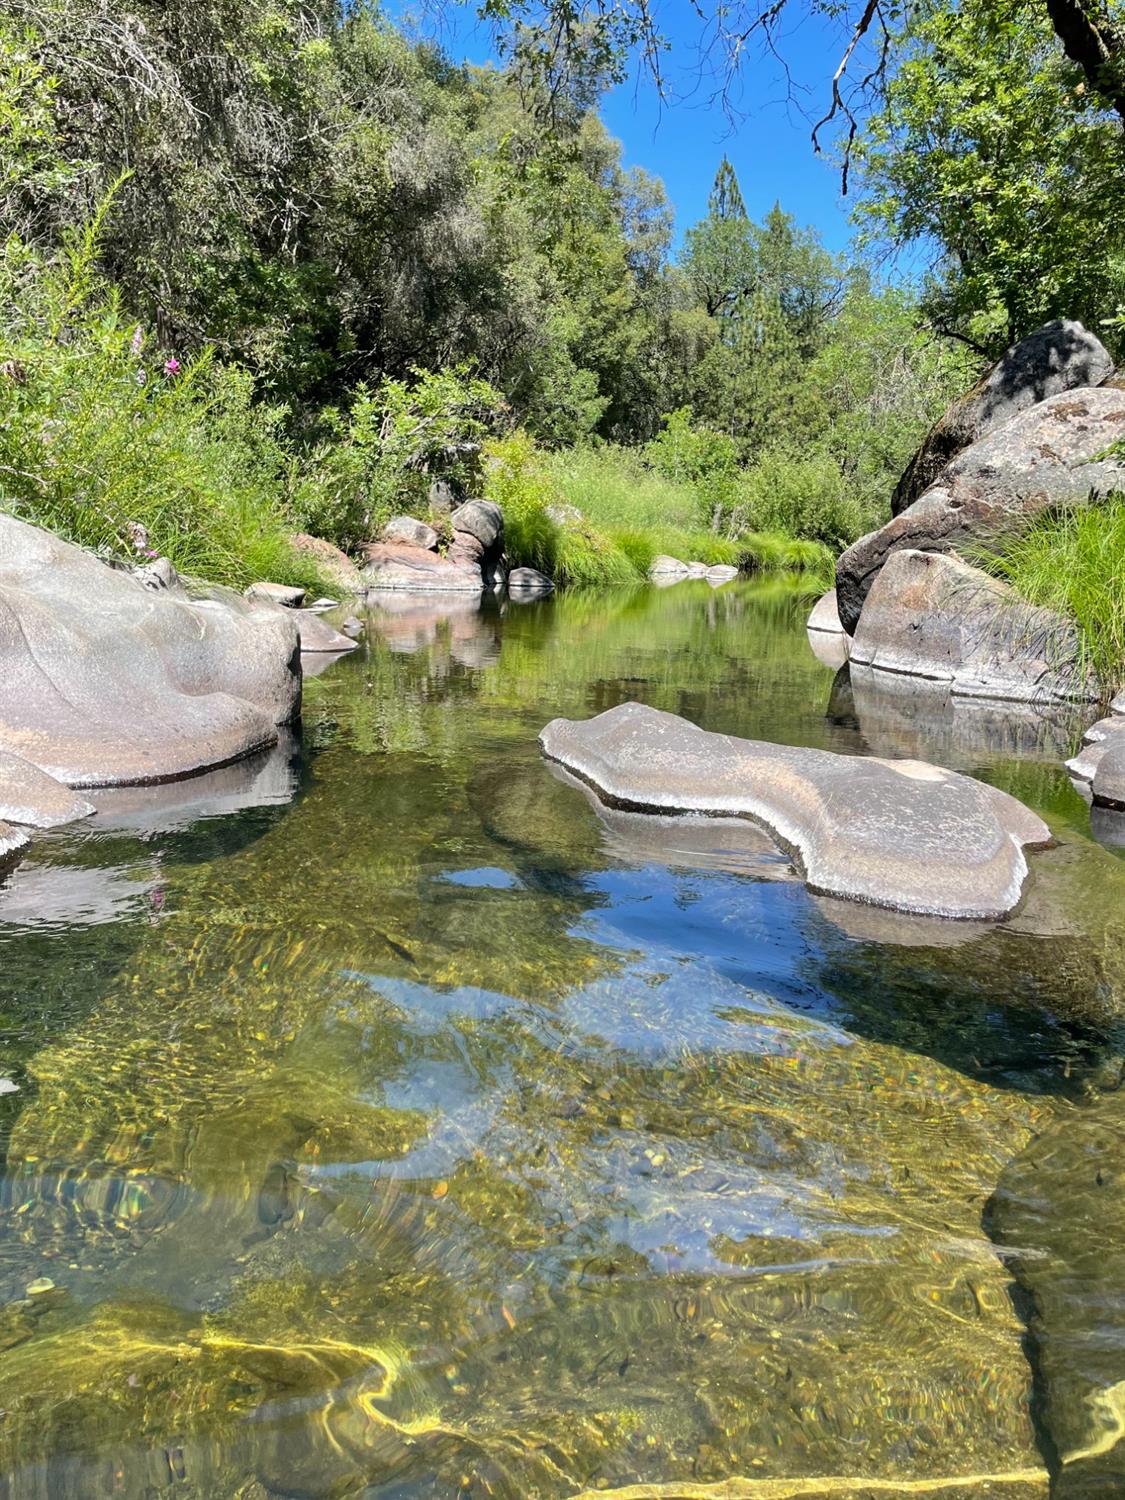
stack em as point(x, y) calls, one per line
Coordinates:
point(431, 1133)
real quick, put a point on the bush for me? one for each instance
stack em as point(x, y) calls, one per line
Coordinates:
point(382, 456)
point(100, 432)
point(805, 497)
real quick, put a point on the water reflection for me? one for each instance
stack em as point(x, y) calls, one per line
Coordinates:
point(438, 1134)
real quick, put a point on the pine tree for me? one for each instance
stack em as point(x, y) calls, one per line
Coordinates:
point(725, 201)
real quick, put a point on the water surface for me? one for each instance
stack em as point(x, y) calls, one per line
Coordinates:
point(385, 1121)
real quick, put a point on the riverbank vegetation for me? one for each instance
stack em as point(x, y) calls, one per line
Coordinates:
point(283, 267)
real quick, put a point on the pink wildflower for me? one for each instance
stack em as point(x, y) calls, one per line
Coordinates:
point(171, 367)
point(138, 340)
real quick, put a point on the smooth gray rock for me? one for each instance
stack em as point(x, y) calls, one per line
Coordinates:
point(1047, 457)
point(480, 519)
point(1059, 357)
point(13, 845)
point(1118, 704)
point(159, 574)
point(317, 635)
point(413, 569)
point(106, 682)
point(276, 593)
point(663, 566)
point(720, 573)
point(528, 583)
point(1108, 785)
point(28, 795)
point(410, 531)
point(899, 834)
point(1095, 742)
point(933, 616)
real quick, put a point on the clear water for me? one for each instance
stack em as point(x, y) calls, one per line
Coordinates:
point(381, 1120)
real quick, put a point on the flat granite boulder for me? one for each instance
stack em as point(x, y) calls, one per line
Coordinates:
point(317, 635)
point(28, 795)
point(933, 616)
point(1062, 356)
point(395, 565)
point(285, 594)
point(528, 583)
point(900, 834)
point(1048, 457)
point(107, 682)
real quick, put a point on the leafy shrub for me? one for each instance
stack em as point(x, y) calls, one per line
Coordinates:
point(100, 432)
point(517, 480)
point(382, 455)
point(804, 497)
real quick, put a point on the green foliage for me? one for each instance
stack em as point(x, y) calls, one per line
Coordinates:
point(381, 458)
point(1074, 562)
point(992, 148)
point(98, 434)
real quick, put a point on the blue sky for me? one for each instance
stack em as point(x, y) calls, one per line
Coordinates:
point(683, 141)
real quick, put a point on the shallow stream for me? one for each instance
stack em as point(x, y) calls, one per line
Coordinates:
point(380, 1119)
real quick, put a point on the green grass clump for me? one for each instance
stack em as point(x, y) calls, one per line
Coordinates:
point(1074, 562)
point(612, 487)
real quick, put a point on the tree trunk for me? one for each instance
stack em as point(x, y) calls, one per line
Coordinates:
point(1093, 40)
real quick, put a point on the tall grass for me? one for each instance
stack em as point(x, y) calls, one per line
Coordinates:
point(621, 516)
point(1074, 562)
point(100, 432)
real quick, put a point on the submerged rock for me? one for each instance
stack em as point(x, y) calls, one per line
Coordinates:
point(108, 683)
point(828, 639)
point(317, 635)
point(900, 834)
point(1061, 356)
point(1048, 457)
point(1059, 1210)
point(934, 616)
point(28, 795)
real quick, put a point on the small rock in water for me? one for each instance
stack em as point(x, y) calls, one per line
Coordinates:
point(40, 1286)
point(8, 1087)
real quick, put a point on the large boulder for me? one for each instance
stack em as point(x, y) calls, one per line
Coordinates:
point(333, 564)
point(28, 795)
point(478, 540)
point(899, 834)
point(410, 530)
point(1059, 357)
point(934, 616)
point(107, 682)
point(1051, 456)
point(394, 565)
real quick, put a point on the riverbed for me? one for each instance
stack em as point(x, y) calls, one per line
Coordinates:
point(383, 1118)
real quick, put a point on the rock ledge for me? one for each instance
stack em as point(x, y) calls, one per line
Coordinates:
point(898, 834)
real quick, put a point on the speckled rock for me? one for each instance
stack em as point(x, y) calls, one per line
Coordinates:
point(933, 616)
point(900, 834)
point(107, 682)
point(1061, 356)
point(1047, 457)
point(28, 795)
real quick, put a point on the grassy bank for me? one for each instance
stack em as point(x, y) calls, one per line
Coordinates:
point(601, 516)
point(1074, 562)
